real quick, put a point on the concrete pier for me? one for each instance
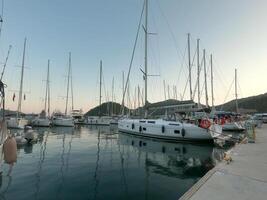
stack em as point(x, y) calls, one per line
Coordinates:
point(244, 178)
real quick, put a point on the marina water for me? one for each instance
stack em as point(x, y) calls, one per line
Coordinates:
point(91, 162)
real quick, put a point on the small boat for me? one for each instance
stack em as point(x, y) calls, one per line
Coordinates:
point(43, 120)
point(16, 122)
point(77, 116)
point(59, 119)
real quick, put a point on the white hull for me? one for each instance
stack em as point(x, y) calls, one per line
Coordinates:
point(168, 130)
point(233, 126)
point(66, 122)
point(102, 121)
point(41, 122)
point(17, 123)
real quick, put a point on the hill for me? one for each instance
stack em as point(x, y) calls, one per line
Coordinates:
point(249, 104)
point(105, 109)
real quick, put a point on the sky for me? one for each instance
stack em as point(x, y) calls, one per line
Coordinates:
point(93, 30)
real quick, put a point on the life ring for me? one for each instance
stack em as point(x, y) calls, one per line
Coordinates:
point(205, 124)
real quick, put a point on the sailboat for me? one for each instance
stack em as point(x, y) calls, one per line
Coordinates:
point(19, 122)
point(99, 120)
point(163, 129)
point(231, 119)
point(59, 119)
point(43, 120)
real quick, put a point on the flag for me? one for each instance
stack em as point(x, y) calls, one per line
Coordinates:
point(24, 97)
point(14, 96)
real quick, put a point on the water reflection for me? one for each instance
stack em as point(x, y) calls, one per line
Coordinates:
point(93, 162)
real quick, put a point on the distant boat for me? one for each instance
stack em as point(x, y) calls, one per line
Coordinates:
point(19, 122)
point(77, 116)
point(163, 129)
point(59, 119)
point(43, 120)
point(99, 120)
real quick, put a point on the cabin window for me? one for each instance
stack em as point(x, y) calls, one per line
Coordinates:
point(177, 131)
point(142, 121)
point(151, 122)
point(172, 124)
point(144, 143)
point(144, 128)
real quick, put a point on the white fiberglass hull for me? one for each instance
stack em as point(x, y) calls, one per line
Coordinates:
point(17, 123)
point(168, 130)
point(233, 126)
point(66, 122)
point(41, 122)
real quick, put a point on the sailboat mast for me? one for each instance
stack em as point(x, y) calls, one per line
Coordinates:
point(21, 79)
point(146, 45)
point(100, 88)
point(236, 96)
point(68, 85)
point(71, 81)
point(198, 75)
point(123, 92)
point(189, 66)
point(112, 97)
point(205, 78)
point(211, 71)
point(48, 88)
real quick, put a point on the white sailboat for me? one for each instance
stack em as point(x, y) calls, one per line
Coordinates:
point(43, 120)
point(164, 129)
point(19, 122)
point(99, 120)
point(59, 119)
point(231, 123)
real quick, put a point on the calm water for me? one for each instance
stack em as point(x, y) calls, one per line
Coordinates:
point(97, 163)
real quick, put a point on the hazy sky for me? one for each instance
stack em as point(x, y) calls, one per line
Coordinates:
point(234, 31)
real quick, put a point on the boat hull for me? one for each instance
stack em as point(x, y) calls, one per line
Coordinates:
point(17, 123)
point(63, 122)
point(167, 130)
point(233, 126)
point(41, 122)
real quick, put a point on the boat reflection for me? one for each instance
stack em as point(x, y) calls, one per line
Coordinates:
point(180, 160)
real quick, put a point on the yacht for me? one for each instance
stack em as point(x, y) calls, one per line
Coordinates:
point(43, 120)
point(59, 119)
point(19, 122)
point(159, 128)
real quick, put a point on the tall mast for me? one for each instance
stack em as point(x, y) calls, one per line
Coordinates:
point(112, 96)
point(100, 88)
point(198, 75)
point(189, 66)
point(68, 85)
point(211, 77)
point(205, 78)
point(236, 96)
point(146, 45)
point(123, 92)
point(72, 98)
point(138, 94)
point(21, 79)
point(46, 88)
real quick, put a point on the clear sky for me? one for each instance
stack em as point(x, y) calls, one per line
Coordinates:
point(235, 32)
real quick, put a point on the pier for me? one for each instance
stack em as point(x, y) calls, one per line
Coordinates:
point(243, 178)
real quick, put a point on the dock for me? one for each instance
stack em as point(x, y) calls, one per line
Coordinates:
point(243, 178)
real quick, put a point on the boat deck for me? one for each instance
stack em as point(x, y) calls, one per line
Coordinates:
point(244, 178)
